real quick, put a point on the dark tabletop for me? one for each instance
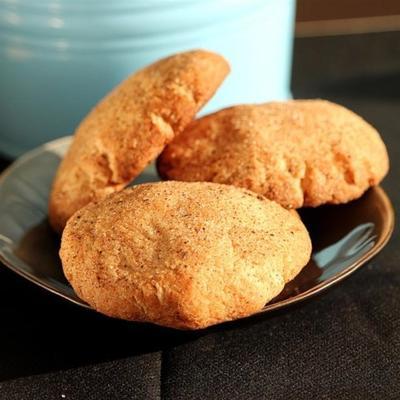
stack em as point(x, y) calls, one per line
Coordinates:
point(344, 344)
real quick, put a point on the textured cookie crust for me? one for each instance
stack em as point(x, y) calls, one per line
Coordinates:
point(298, 153)
point(180, 254)
point(130, 127)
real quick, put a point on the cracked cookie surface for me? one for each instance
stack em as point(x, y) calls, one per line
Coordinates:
point(129, 128)
point(182, 254)
point(298, 153)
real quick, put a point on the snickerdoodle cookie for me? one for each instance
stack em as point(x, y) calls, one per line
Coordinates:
point(130, 127)
point(298, 153)
point(180, 254)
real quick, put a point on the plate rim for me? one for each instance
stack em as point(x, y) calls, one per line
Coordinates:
point(388, 228)
point(3, 176)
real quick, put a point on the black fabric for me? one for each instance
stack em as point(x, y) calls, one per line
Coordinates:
point(131, 378)
point(344, 344)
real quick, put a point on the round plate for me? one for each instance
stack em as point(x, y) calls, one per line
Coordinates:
point(344, 237)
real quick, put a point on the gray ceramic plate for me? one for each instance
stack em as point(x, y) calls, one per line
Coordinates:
point(344, 237)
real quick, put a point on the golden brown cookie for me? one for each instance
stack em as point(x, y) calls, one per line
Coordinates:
point(180, 254)
point(130, 127)
point(298, 153)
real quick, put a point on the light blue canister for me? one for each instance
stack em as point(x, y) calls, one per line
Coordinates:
point(59, 57)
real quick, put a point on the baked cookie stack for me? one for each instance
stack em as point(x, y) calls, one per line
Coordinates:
point(216, 242)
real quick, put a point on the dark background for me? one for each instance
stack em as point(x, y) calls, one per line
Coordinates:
point(315, 10)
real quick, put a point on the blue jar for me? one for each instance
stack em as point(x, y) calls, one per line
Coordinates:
point(59, 57)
